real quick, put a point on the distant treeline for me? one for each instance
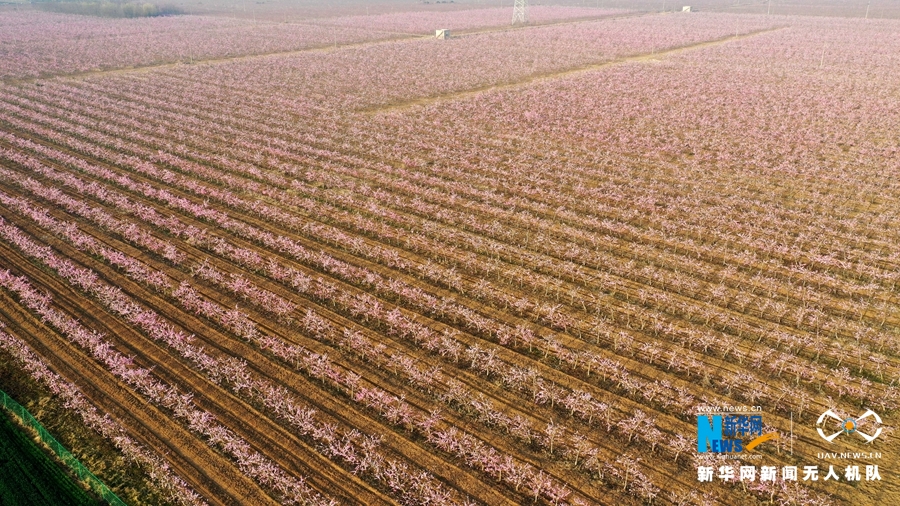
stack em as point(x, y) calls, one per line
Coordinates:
point(109, 9)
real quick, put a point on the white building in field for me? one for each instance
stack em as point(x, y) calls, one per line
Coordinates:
point(686, 8)
point(443, 33)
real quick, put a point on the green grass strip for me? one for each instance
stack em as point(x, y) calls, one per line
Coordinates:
point(28, 476)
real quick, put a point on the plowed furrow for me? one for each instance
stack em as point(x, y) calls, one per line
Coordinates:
point(207, 471)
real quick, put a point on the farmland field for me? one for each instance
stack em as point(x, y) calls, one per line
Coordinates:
point(320, 257)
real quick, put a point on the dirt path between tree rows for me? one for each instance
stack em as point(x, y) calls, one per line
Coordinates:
point(205, 470)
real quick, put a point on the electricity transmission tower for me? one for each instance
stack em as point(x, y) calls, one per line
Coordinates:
point(520, 12)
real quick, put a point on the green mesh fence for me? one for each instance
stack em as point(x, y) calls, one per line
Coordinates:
point(77, 467)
